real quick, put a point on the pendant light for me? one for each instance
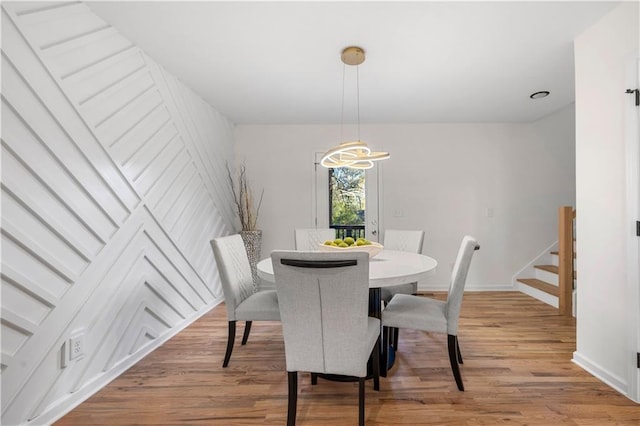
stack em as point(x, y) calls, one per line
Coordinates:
point(352, 154)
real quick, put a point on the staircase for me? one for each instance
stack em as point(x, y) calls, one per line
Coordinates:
point(554, 273)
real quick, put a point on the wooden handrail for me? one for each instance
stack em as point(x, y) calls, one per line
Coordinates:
point(566, 215)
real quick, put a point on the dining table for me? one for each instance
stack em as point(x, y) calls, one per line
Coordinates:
point(386, 269)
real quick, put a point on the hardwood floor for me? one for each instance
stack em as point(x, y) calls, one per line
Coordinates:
point(517, 370)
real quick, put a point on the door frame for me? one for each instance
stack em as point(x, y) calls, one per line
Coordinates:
point(319, 199)
point(632, 154)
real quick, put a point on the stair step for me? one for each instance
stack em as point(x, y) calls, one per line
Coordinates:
point(541, 285)
point(554, 269)
point(549, 268)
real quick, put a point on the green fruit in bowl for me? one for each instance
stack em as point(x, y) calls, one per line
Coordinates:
point(329, 243)
point(349, 241)
point(360, 243)
point(337, 241)
point(343, 244)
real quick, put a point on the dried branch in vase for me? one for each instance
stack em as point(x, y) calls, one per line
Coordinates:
point(243, 199)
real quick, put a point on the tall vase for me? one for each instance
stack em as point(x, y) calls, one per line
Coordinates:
point(253, 243)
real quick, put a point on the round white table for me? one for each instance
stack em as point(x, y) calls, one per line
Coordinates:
point(387, 269)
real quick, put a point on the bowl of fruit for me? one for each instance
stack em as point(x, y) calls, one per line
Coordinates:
point(352, 244)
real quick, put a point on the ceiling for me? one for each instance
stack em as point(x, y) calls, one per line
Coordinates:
point(279, 62)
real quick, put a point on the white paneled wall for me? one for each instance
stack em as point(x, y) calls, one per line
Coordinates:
point(113, 183)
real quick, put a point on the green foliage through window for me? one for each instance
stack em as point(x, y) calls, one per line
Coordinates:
point(347, 196)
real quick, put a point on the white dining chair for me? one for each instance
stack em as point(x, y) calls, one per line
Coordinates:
point(324, 302)
point(427, 314)
point(311, 238)
point(242, 301)
point(402, 240)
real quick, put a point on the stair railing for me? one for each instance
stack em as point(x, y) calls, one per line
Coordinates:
point(566, 216)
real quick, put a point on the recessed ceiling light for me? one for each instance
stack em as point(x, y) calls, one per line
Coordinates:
point(539, 95)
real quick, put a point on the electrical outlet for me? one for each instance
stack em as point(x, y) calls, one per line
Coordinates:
point(76, 346)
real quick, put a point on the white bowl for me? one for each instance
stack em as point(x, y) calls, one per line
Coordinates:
point(373, 249)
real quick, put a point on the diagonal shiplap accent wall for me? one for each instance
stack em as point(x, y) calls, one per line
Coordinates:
point(113, 183)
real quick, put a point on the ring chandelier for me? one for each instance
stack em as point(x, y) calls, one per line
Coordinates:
point(354, 154)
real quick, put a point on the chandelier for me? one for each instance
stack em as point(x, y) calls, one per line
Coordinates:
point(352, 154)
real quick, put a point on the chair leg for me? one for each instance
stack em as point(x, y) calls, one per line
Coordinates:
point(395, 341)
point(314, 378)
point(385, 351)
point(396, 338)
point(230, 340)
point(247, 330)
point(361, 401)
point(458, 351)
point(376, 365)
point(453, 359)
point(293, 397)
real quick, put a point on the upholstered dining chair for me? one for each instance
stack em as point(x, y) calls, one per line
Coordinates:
point(426, 314)
point(323, 300)
point(311, 238)
point(402, 240)
point(242, 302)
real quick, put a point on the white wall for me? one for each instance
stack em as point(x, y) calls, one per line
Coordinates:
point(602, 54)
point(444, 178)
point(113, 182)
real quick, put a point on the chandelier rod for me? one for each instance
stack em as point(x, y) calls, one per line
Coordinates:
point(358, 96)
point(344, 67)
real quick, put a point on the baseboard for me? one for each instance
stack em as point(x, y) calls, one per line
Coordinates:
point(478, 288)
point(600, 373)
point(64, 405)
point(494, 287)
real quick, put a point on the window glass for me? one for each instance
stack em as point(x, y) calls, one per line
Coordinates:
point(347, 202)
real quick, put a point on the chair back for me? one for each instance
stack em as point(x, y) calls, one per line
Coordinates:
point(323, 299)
point(234, 270)
point(458, 280)
point(310, 238)
point(403, 240)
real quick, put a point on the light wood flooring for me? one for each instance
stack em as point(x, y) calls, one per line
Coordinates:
point(517, 371)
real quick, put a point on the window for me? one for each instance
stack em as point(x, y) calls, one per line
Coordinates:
point(322, 197)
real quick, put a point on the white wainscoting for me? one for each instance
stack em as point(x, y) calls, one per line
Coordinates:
point(113, 183)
